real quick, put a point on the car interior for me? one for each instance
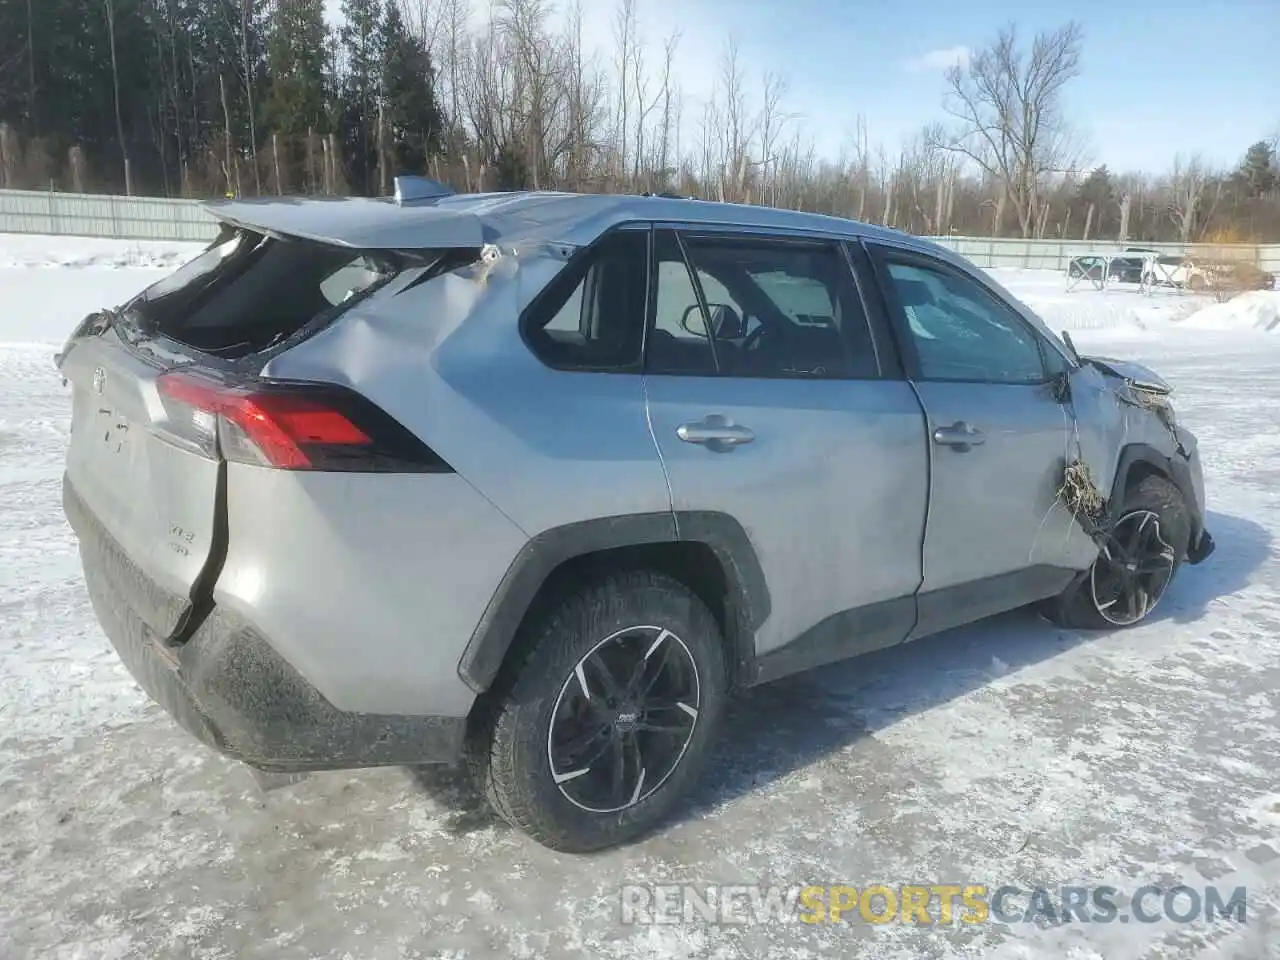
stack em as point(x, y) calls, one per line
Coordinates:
point(755, 336)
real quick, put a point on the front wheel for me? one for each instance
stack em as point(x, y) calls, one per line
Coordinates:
point(610, 717)
point(1135, 565)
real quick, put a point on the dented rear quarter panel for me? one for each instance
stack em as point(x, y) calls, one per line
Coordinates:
point(546, 447)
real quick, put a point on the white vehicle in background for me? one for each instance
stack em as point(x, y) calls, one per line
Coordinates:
point(1176, 271)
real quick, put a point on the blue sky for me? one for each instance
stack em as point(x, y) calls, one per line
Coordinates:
point(1158, 79)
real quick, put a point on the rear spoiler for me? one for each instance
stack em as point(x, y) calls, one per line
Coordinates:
point(411, 221)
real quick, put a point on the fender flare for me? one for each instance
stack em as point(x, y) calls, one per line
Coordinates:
point(747, 602)
point(1174, 468)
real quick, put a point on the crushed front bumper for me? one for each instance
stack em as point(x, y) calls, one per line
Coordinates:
point(1201, 547)
point(228, 687)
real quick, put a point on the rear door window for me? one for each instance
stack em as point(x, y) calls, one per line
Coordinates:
point(757, 307)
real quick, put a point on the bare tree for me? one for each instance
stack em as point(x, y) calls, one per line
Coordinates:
point(1006, 104)
point(670, 111)
point(115, 83)
point(624, 35)
point(426, 20)
point(736, 129)
point(246, 16)
point(772, 122)
point(31, 66)
point(645, 105)
point(1186, 196)
point(1194, 193)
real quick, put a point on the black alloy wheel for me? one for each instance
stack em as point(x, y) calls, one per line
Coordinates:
point(623, 719)
point(1133, 569)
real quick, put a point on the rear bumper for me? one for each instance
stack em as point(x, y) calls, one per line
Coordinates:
point(228, 687)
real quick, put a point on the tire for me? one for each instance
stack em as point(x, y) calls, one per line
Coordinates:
point(1087, 604)
point(571, 651)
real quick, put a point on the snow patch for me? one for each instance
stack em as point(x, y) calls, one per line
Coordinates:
point(1003, 752)
point(1255, 310)
point(31, 251)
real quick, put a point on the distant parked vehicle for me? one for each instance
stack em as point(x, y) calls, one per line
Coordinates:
point(1175, 271)
point(1093, 268)
point(1127, 269)
point(1235, 276)
point(1104, 269)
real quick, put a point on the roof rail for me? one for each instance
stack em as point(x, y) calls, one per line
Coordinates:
point(410, 190)
point(667, 196)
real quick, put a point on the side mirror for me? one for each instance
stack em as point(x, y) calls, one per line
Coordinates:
point(1066, 338)
point(725, 321)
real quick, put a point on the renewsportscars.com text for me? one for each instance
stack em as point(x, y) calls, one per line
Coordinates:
point(927, 904)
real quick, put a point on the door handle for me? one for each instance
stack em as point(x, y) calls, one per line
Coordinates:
point(715, 432)
point(961, 435)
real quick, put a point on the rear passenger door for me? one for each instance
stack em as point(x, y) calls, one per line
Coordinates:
point(997, 537)
point(768, 401)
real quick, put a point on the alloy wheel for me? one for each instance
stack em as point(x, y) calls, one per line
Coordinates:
point(623, 719)
point(1133, 569)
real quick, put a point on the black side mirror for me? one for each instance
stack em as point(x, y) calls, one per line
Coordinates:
point(725, 321)
point(1066, 338)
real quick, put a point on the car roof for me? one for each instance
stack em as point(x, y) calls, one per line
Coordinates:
point(474, 219)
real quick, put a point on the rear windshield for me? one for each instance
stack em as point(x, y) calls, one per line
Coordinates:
point(247, 291)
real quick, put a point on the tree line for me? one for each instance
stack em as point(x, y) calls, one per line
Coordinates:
point(203, 98)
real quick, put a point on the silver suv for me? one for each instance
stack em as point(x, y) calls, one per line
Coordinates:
point(540, 479)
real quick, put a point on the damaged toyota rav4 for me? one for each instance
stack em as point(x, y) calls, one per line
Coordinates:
point(539, 480)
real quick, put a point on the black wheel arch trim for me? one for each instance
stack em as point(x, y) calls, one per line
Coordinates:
point(1177, 470)
point(747, 604)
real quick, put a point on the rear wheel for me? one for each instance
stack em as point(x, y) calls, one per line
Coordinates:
point(609, 718)
point(1135, 565)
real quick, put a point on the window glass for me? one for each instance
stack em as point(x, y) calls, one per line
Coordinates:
point(678, 342)
point(777, 309)
point(350, 280)
point(962, 332)
point(568, 319)
point(591, 317)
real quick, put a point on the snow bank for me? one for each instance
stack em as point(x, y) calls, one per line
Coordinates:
point(1120, 308)
point(48, 284)
point(25, 250)
point(1256, 310)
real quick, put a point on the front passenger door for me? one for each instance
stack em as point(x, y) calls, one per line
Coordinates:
point(996, 536)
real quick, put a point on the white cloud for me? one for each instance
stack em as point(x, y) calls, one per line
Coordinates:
point(936, 60)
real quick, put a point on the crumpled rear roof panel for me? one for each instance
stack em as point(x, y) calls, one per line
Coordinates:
point(471, 220)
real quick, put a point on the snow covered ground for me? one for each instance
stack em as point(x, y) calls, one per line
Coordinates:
point(1007, 752)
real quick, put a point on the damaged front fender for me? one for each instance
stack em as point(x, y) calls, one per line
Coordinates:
point(1135, 374)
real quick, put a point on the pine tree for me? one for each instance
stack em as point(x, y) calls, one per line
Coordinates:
point(361, 38)
point(1097, 188)
point(411, 114)
point(296, 58)
point(1257, 174)
point(1096, 193)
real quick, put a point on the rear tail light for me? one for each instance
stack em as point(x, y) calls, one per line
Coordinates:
point(291, 426)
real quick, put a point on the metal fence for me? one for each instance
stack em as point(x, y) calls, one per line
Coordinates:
point(1054, 254)
point(153, 218)
point(88, 215)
